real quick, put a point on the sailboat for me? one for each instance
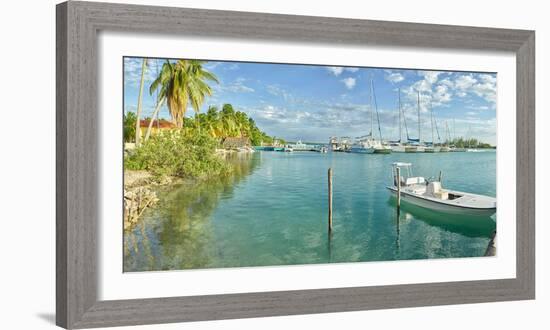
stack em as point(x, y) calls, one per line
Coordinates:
point(368, 144)
point(445, 147)
point(399, 146)
point(431, 148)
point(452, 147)
point(414, 145)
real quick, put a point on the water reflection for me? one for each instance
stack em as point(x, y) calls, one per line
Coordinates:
point(176, 234)
point(273, 211)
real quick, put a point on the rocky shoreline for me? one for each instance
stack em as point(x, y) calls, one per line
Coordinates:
point(138, 195)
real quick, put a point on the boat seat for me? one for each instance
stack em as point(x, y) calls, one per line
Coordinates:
point(414, 180)
point(443, 195)
point(434, 189)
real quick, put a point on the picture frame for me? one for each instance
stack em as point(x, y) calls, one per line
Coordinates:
point(77, 188)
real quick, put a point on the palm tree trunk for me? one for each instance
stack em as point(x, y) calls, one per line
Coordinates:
point(155, 114)
point(140, 99)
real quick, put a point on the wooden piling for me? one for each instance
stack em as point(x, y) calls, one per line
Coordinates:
point(330, 200)
point(398, 179)
point(440, 176)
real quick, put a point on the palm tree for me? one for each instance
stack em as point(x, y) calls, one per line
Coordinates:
point(211, 122)
point(160, 103)
point(228, 120)
point(182, 83)
point(140, 99)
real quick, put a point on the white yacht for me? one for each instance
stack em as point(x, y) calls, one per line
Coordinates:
point(368, 145)
point(299, 146)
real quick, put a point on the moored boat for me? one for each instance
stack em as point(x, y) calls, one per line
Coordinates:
point(299, 146)
point(430, 194)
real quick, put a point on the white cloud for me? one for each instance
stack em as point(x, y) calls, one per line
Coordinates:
point(335, 70)
point(487, 78)
point(338, 70)
point(132, 70)
point(232, 67)
point(237, 86)
point(430, 76)
point(349, 82)
point(447, 82)
point(485, 86)
point(394, 77)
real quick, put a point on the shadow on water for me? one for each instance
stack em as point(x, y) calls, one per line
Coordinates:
point(177, 233)
point(466, 225)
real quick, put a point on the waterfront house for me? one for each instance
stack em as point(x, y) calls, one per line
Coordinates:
point(158, 126)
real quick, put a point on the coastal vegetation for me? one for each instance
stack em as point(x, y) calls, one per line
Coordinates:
point(129, 125)
point(177, 153)
point(470, 143)
point(186, 149)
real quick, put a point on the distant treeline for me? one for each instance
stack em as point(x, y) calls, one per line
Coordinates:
point(470, 143)
point(229, 123)
point(217, 123)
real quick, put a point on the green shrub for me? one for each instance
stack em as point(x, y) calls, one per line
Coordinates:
point(130, 127)
point(175, 153)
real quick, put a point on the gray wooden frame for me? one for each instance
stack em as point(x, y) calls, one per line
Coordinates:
point(77, 152)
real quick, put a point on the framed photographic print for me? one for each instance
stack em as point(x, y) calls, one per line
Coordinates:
point(215, 165)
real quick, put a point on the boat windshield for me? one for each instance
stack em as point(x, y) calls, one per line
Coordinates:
point(405, 171)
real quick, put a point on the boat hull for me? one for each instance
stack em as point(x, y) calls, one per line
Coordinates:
point(382, 151)
point(372, 150)
point(398, 148)
point(358, 150)
point(443, 207)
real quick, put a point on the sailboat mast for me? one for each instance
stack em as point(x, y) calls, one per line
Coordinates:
point(432, 122)
point(370, 108)
point(418, 110)
point(454, 129)
point(376, 108)
point(399, 97)
point(404, 118)
point(447, 133)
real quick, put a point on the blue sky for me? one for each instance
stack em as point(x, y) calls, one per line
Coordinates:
point(312, 103)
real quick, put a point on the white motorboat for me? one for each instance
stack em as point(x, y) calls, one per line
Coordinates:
point(299, 146)
point(368, 145)
point(431, 195)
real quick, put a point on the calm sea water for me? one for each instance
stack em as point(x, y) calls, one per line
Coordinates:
point(273, 211)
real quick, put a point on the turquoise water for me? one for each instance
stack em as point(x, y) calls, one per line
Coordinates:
point(273, 211)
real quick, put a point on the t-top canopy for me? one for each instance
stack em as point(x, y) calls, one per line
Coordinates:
point(400, 164)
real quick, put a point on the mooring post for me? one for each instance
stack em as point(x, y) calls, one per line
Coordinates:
point(439, 176)
point(398, 179)
point(330, 200)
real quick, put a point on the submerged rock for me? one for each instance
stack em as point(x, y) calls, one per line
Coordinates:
point(137, 200)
